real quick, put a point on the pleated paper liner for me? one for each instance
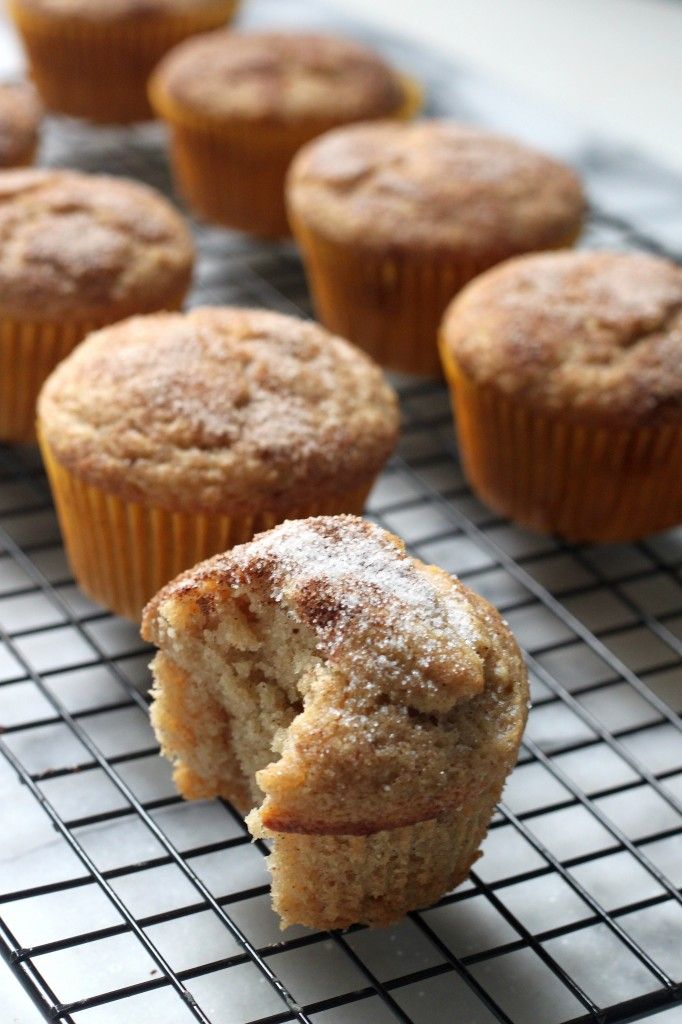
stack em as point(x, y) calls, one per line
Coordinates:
point(389, 304)
point(234, 174)
point(552, 473)
point(383, 875)
point(122, 553)
point(99, 69)
point(28, 354)
point(26, 158)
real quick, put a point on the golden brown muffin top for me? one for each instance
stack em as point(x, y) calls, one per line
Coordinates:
point(20, 114)
point(88, 247)
point(120, 10)
point(278, 76)
point(585, 332)
point(433, 184)
point(232, 410)
point(418, 678)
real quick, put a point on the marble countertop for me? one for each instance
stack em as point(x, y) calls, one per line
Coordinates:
point(614, 65)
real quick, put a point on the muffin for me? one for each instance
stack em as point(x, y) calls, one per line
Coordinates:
point(566, 377)
point(393, 219)
point(365, 707)
point(168, 438)
point(239, 106)
point(20, 116)
point(79, 251)
point(93, 58)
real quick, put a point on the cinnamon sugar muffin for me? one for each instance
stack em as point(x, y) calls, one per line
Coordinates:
point(92, 58)
point(170, 437)
point(393, 219)
point(566, 376)
point(77, 251)
point(20, 115)
point(239, 106)
point(365, 707)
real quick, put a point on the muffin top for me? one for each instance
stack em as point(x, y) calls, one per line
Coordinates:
point(88, 246)
point(411, 687)
point(219, 409)
point(118, 10)
point(431, 185)
point(375, 612)
point(589, 332)
point(20, 114)
point(276, 76)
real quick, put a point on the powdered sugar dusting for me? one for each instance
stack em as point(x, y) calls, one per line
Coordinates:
point(377, 613)
point(88, 244)
point(225, 409)
point(434, 183)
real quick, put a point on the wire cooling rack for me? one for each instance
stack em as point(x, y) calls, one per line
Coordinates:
point(121, 903)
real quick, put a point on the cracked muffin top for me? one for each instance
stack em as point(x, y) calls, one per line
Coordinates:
point(118, 10)
point(93, 246)
point(20, 114)
point(276, 76)
point(589, 332)
point(223, 409)
point(434, 184)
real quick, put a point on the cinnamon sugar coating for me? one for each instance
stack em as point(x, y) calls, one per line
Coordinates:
point(88, 246)
point(596, 333)
point(411, 694)
point(230, 410)
point(277, 76)
point(431, 185)
point(20, 114)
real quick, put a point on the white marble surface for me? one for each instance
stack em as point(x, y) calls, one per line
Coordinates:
point(16, 1007)
point(614, 65)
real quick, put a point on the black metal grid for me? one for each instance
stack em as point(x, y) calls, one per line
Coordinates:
point(123, 901)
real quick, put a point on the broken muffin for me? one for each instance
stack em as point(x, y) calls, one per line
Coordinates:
point(364, 707)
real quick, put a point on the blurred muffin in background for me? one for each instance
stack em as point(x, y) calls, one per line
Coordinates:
point(566, 377)
point(240, 105)
point(79, 251)
point(393, 219)
point(20, 116)
point(93, 58)
point(171, 437)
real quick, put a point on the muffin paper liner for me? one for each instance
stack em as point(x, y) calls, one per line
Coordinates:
point(122, 553)
point(99, 70)
point(553, 473)
point(24, 159)
point(28, 354)
point(235, 177)
point(390, 303)
point(333, 881)
point(234, 174)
